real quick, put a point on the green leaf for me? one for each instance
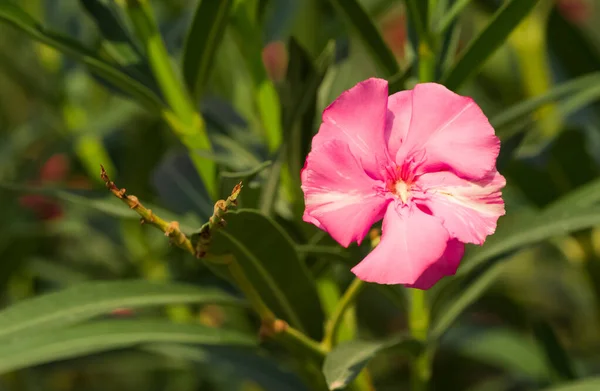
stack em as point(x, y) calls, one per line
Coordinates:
point(451, 14)
point(529, 106)
point(489, 40)
point(48, 346)
point(203, 39)
point(357, 18)
point(13, 15)
point(109, 205)
point(457, 304)
point(591, 384)
point(117, 41)
point(573, 48)
point(87, 300)
point(269, 259)
point(249, 196)
point(503, 348)
point(248, 37)
point(346, 360)
point(418, 15)
point(557, 357)
point(521, 229)
point(583, 196)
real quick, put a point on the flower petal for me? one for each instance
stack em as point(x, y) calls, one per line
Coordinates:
point(357, 117)
point(398, 120)
point(450, 131)
point(469, 209)
point(445, 266)
point(412, 242)
point(340, 197)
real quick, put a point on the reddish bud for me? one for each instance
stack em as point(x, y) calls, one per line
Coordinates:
point(395, 34)
point(275, 60)
point(122, 312)
point(55, 169)
point(576, 11)
point(43, 207)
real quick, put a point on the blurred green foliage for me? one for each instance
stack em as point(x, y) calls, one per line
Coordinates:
point(181, 99)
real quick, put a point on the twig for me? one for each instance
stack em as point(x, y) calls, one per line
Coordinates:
point(271, 327)
point(171, 229)
point(202, 239)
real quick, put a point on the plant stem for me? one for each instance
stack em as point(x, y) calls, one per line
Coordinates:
point(450, 15)
point(171, 229)
point(294, 338)
point(184, 119)
point(419, 327)
point(426, 62)
point(271, 326)
point(333, 324)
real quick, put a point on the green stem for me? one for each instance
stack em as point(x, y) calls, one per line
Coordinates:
point(275, 328)
point(184, 119)
point(451, 14)
point(416, 18)
point(333, 324)
point(419, 328)
point(431, 10)
point(426, 62)
point(296, 339)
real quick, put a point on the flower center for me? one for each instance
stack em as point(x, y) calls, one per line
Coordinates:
point(402, 190)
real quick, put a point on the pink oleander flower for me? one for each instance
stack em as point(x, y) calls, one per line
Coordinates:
point(424, 160)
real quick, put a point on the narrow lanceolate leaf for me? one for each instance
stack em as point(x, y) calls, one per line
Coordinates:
point(48, 346)
point(202, 41)
point(466, 296)
point(491, 38)
point(10, 13)
point(248, 36)
point(502, 348)
point(81, 302)
point(117, 41)
point(583, 196)
point(108, 205)
point(557, 356)
point(529, 106)
point(591, 384)
point(358, 19)
point(270, 262)
point(346, 360)
point(526, 228)
point(452, 13)
point(578, 210)
point(249, 197)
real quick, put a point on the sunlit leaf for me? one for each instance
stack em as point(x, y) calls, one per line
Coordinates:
point(249, 196)
point(249, 40)
point(269, 259)
point(48, 346)
point(501, 348)
point(521, 229)
point(87, 300)
point(346, 360)
point(556, 355)
point(12, 14)
point(529, 106)
point(485, 44)
point(202, 41)
point(591, 384)
point(363, 26)
point(466, 295)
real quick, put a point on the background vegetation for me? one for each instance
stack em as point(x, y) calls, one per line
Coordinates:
point(181, 99)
